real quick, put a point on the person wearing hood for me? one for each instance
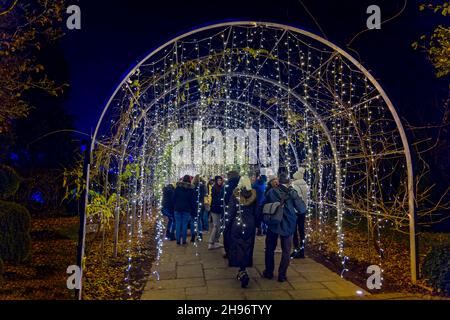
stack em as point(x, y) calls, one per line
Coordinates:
point(283, 229)
point(184, 206)
point(260, 187)
point(301, 187)
point(216, 213)
point(232, 182)
point(242, 228)
point(167, 211)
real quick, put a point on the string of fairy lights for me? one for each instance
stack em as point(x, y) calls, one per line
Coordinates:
point(252, 76)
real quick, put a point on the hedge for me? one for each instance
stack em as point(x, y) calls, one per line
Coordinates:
point(436, 268)
point(15, 239)
point(9, 181)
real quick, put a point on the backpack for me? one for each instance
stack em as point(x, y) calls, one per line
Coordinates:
point(273, 212)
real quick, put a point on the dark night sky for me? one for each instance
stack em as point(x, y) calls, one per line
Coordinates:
point(116, 34)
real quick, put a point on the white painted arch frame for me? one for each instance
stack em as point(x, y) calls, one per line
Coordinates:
point(410, 174)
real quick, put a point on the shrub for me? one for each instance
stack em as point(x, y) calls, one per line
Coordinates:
point(9, 181)
point(14, 232)
point(436, 268)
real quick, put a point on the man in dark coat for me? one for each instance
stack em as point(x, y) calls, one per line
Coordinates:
point(184, 206)
point(216, 212)
point(242, 228)
point(227, 192)
point(167, 211)
point(293, 204)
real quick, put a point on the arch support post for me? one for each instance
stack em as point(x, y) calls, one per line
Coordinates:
point(413, 238)
point(83, 212)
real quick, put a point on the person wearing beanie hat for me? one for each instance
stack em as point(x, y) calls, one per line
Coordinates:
point(272, 178)
point(283, 229)
point(284, 179)
point(232, 174)
point(272, 183)
point(241, 226)
point(301, 187)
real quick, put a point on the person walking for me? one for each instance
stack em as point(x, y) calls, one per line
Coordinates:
point(184, 206)
point(301, 187)
point(207, 202)
point(283, 229)
point(216, 213)
point(167, 211)
point(197, 215)
point(260, 187)
point(232, 182)
point(242, 228)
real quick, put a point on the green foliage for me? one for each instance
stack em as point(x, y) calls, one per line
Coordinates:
point(437, 45)
point(439, 50)
point(14, 232)
point(436, 268)
point(132, 170)
point(73, 181)
point(104, 209)
point(26, 27)
point(443, 8)
point(163, 170)
point(9, 181)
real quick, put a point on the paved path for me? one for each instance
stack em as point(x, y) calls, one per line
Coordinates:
point(185, 275)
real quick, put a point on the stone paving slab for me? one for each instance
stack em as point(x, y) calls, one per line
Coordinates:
point(305, 285)
point(196, 273)
point(174, 283)
point(267, 295)
point(167, 294)
point(190, 271)
point(311, 294)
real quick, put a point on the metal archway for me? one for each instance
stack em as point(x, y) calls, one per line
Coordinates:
point(335, 51)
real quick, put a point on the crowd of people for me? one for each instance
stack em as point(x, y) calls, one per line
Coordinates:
point(240, 209)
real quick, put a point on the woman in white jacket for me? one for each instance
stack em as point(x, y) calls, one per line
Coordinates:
point(299, 184)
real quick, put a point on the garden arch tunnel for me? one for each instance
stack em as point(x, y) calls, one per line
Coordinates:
point(337, 122)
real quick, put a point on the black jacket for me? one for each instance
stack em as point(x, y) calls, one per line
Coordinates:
point(216, 202)
point(226, 194)
point(184, 198)
point(167, 198)
point(241, 239)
